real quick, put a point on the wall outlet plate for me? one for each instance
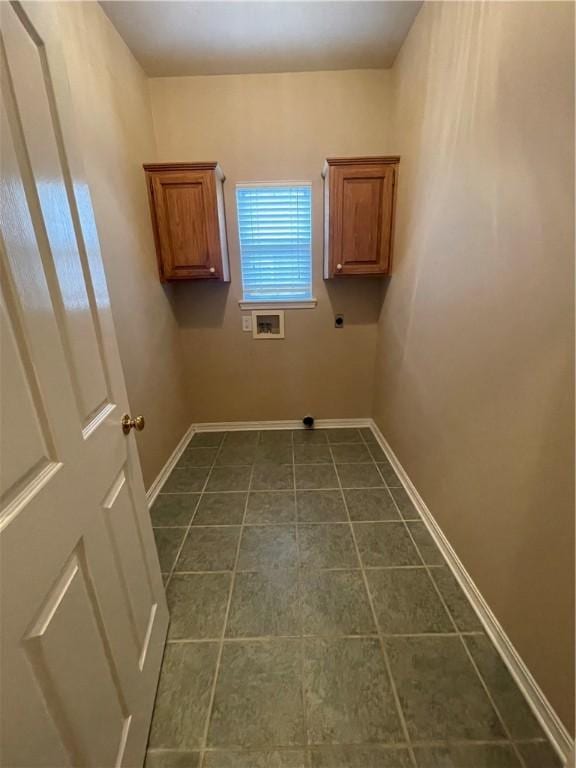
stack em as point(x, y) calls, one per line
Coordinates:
point(268, 324)
point(246, 322)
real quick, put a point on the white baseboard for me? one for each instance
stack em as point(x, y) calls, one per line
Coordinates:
point(231, 426)
point(156, 486)
point(543, 710)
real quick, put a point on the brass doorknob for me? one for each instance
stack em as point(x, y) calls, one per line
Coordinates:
point(128, 423)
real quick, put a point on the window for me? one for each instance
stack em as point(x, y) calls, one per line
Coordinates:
point(275, 229)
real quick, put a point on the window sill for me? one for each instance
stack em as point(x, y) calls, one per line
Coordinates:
point(306, 304)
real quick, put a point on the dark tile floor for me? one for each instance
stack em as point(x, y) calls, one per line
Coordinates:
point(314, 623)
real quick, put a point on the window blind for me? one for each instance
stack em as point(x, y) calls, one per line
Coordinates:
point(275, 228)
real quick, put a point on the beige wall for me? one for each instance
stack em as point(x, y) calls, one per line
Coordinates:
point(113, 109)
point(276, 127)
point(475, 363)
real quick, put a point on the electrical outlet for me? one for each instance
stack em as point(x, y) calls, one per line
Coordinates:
point(246, 322)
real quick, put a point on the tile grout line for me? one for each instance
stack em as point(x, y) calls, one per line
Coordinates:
point(391, 745)
point(386, 744)
point(209, 711)
point(320, 746)
point(338, 569)
point(311, 636)
point(179, 551)
point(189, 526)
point(383, 649)
point(460, 636)
point(300, 612)
point(484, 685)
point(285, 490)
point(302, 522)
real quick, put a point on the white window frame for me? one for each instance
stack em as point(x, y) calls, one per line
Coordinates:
point(281, 303)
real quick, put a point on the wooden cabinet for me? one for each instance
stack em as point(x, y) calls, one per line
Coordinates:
point(187, 207)
point(359, 195)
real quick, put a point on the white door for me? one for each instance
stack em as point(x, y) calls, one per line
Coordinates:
point(83, 613)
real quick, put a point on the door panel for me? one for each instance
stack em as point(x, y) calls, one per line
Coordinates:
point(361, 217)
point(84, 616)
point(70, 654)
point(186, 214)
point(25, 441)
point(127, 546)
point(32, 91)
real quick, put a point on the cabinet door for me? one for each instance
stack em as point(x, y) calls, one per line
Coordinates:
point(187, 225)
point(362, 207)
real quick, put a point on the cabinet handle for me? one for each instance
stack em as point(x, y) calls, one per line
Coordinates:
point(339, 267)
point(212, 271)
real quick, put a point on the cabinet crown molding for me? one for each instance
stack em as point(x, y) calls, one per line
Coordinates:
point(207, 165)
point(351, 161)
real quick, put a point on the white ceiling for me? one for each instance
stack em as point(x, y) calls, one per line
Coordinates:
point(223, 37)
